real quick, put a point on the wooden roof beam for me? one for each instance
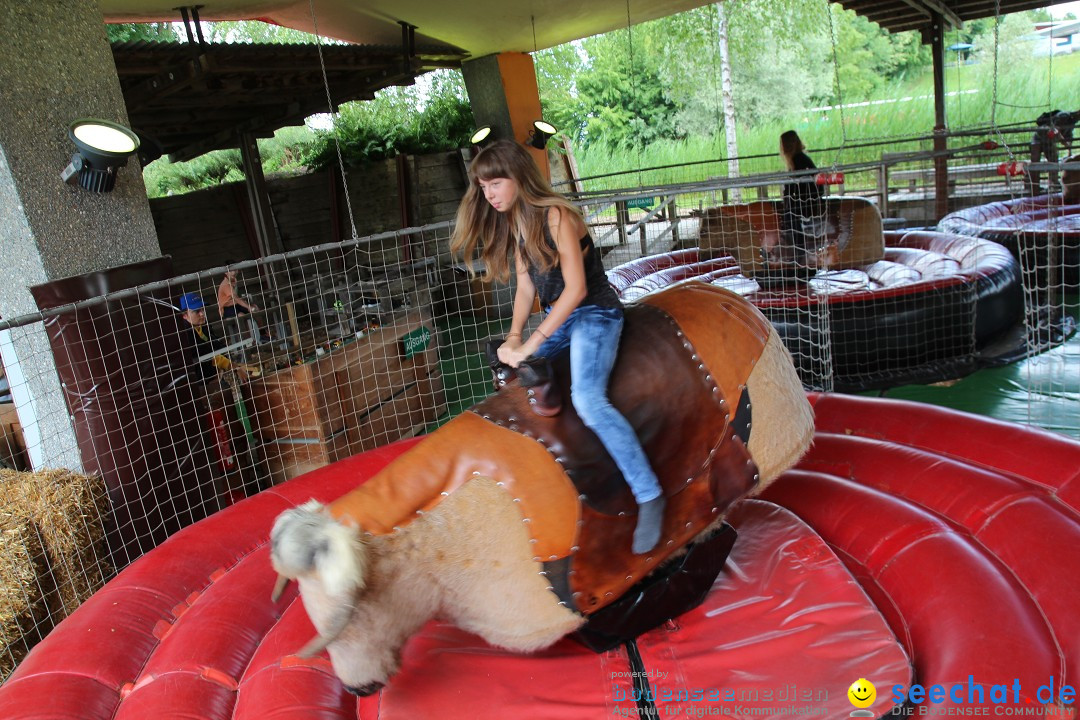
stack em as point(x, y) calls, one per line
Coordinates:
point(230, 137)
point(985, 8)
point(168, 81)
point(939, 7)
point(902, 15)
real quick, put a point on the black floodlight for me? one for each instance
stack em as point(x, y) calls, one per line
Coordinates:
point(103, 148)
point(540, 133)
point(482, 136)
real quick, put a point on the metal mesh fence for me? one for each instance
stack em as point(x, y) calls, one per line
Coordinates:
point(175, 397)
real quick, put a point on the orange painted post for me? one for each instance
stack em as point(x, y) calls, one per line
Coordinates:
point(522, 100)
point(503, 94)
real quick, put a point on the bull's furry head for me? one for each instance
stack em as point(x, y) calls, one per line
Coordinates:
point(308, 544)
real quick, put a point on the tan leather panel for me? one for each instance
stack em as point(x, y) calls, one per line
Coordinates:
point(722, 326)
point(864, 242)
point(468, 447)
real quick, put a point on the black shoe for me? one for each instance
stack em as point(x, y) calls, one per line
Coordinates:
point(650, 522)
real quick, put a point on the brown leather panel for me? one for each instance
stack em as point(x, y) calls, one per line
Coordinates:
point(728, 334)
point(662, 384)
point(659, 388)
point(604, 568)
point(761, 214)
point(465, 448)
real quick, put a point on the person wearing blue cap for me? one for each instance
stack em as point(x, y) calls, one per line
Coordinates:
point(193, 310)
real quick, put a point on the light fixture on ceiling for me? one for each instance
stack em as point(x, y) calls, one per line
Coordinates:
point(540, 134)
point(103, 148)
point(482, 136)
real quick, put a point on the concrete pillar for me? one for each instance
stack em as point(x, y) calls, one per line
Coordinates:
point(56, 66)
point(503, 94)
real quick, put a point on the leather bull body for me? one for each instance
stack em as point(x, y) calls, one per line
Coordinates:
point(681, 393)
point(683, 380)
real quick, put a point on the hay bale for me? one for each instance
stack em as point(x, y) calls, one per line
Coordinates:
point(24, 617)
point(66, 509)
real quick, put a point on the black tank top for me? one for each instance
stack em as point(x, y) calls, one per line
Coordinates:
point(550, 284)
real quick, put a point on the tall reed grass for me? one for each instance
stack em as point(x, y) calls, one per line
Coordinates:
point(1024, 90)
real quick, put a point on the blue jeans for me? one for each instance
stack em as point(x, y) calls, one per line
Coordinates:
point(592, 332)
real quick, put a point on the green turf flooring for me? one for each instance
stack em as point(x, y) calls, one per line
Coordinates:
point(465, 373)
point(1043, 390)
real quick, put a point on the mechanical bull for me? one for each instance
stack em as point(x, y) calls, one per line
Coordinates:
point(517, 527)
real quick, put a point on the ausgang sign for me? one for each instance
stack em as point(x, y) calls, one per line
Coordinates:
point(644, 203)
point(415, 341)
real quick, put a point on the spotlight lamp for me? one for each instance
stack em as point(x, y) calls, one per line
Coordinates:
point(482, 136)
point(103, 148)
point(540, 134)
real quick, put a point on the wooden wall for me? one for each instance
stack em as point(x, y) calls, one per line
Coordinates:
point(212, 227)
point(357, 397)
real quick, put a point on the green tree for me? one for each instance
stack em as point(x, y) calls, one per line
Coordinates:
point(973, 29)
point(254, 31)
point(869, 57)
point(623, 93)
point(671, 89)
point(781, 57)
point(557, 73)
point(431, 117)
point(1040, 15)
point(128, 32)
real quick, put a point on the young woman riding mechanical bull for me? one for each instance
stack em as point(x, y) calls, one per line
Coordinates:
point(512, 212)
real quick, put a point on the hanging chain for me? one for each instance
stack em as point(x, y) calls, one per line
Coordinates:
point(714, 18)
point(1001, 139)
point(1050, 70)
point(836, 83)
point(536, 67)
point(997, 40)
point(633, 83)
point(337, 114)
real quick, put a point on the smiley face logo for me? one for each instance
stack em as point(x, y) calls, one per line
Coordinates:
point(862, 693)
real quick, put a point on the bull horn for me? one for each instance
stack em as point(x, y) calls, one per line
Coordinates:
point(318, 643)
point(279, 587)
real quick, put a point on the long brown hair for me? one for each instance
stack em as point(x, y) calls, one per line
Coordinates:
point(477, 220)
point(790, 144)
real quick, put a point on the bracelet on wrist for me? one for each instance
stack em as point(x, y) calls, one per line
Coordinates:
point(542, 334)
point(510, 335)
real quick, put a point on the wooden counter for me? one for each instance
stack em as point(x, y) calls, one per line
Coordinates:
point(364, 394)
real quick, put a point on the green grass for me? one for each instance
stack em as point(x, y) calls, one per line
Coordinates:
point(1024, 91)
